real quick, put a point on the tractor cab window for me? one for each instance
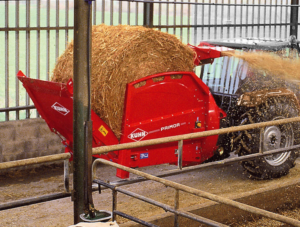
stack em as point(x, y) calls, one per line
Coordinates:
point(224, 75)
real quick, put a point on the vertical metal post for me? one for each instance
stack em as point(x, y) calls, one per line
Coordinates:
point(48, 41)
point(28, 6)
point(120, 11)
point(189, 23)
point(259, 21)
point(228, 20)
point(66, 175)
point(88, 199)
point(17, 53)
point(128, 13)
point(261, 140)
point(181, 21)
point(81, 69)
point(174, 18)
point(148, 15)
point(222, 21)
point(95, 13)
point(167, 16)
point(114, 205)
point(103, 12)
point(176, 207)
point(202, 22)
point(6, 61)
point(67, 23)
point(38, 43)
point(294, 18)
point(57, 31)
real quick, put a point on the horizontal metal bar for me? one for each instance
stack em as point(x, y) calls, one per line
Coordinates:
point(166, 207)
point(137, 220)
point(36, 28)
point(32, 161)
point(34, 200)
point(211, 4)
point(220, 25)
point(216, 164)
point(112, 185)
point(206, 195)
point(17, 108)
point(105, 149)
point(154, 26)
point(107, 185)
point(228, 161)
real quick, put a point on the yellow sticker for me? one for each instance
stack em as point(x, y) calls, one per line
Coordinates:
point(103, 130)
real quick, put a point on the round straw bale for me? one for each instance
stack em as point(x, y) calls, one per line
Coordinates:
point(122, 54)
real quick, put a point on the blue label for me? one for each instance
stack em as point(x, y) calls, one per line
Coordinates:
point(144, 155)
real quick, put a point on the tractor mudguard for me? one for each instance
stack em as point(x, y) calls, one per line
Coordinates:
point(256, 98)
point(54, 102)
point(163, 105)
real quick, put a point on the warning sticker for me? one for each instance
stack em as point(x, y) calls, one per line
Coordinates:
point(144, 155)
point(103, 130)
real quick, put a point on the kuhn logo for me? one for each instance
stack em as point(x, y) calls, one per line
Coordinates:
point(137, 134)
point(61, 109)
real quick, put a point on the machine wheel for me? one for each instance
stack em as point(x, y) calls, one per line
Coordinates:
point(275, 137)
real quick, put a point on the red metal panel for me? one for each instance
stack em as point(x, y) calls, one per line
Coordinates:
point(54, 102)
point(161, 105)
point(171, 106)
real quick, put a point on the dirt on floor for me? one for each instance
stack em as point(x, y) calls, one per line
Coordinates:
point(227, 181)
point(265, 222)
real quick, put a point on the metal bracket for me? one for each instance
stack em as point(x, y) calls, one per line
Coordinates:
point(180, 145)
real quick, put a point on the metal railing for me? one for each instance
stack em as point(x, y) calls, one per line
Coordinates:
point(153, 202)
point(187, 189)
point(40, 160)
point(35, 32)
point(145, 176)
point(180, 138)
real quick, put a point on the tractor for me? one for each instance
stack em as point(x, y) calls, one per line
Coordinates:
point(249, 96)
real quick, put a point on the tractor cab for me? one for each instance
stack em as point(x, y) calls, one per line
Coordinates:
point(229, 77)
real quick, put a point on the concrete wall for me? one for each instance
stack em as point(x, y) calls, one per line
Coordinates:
point(27, 139)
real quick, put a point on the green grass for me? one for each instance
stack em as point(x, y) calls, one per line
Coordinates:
point(29, 61)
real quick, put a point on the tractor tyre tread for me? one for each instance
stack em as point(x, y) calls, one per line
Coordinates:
point(248, 141)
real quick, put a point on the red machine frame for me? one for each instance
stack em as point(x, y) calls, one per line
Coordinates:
point(161, 105)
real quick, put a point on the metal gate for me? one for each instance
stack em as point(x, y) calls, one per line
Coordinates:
point(34, 33)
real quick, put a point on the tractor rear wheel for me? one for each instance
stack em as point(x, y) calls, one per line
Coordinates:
point(274, 137)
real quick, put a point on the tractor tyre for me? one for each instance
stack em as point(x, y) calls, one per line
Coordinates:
point(274, 137)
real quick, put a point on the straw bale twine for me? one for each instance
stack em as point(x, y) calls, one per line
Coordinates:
point(122, 54)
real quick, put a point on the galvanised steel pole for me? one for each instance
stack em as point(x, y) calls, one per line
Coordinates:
point(148, 15)
point(81, 115)
point(294, 18)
